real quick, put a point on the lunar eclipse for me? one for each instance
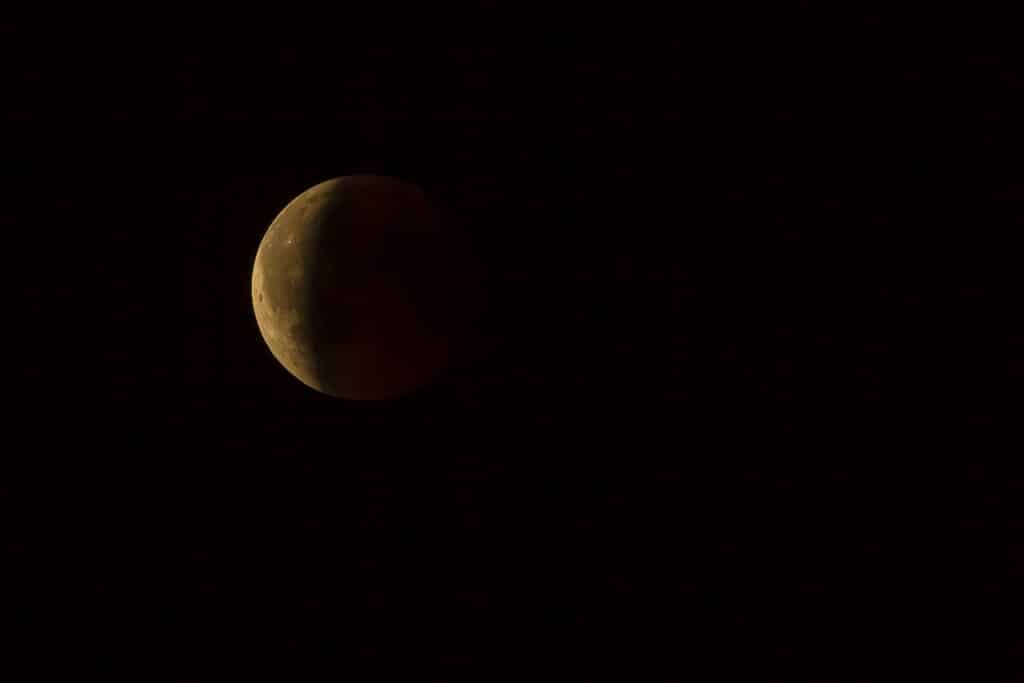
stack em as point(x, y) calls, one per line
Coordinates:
point(356, 288)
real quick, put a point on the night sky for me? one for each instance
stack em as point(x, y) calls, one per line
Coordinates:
point(738, 408)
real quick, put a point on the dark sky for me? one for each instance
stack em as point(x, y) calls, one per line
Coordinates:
point(738, 411)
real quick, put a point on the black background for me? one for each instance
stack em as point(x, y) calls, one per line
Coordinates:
point(740, 406)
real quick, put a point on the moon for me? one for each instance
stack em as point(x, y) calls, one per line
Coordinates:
point(358, 286)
